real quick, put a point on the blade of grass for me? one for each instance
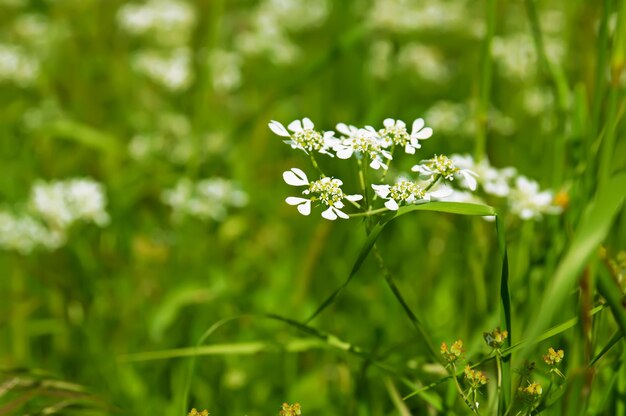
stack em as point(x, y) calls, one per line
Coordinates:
point(591, 231)
point(617, 336)
point(505, 311)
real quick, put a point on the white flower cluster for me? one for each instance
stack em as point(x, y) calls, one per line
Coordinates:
point(273, 21)
point(208, 199)
point(403, 16)
point(225, 70)
point(171, 69)
point(376, 149)
point(16, 66)
point(516, 55)
point(523, 195)
point(53, 207)
point(170, 22)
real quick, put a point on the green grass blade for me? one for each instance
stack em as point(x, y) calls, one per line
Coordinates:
point(614, 340)
point(612, 292)
point(591, 231)
point(505, 311)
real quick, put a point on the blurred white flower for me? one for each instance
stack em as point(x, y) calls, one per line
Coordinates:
point(516, 56)
point(169, 21)
point(172, 70)
point(380, 59)
point(493, 181)
point(225, 70)
point(271, 23)
point(17, 66)
point(529, 202)
point(207, 199)
point(62, 203)
point(425, 61)
point(23, 233)
point(362, 142)
point(325, 191)
point(304, 137)
point(402, 16)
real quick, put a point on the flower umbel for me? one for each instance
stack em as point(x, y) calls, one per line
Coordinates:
point(290, 409)
point(304, 137)
point(474, 378)
point(553, 359)
point(531, 392)
point(325, 191)
point(495, 339)
point(395, 133)
point(194, 412)
point(452, 353)
point(362, 142)
point(442, 166)
point(403, 192)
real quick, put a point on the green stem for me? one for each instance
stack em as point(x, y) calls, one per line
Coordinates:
point(369, 213)
point(460, 391)
point(499, 386)
point(485, 82)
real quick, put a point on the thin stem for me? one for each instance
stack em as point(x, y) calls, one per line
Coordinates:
point(460, 391)
point(315, 165)
point(369, 213)
point(499, 386)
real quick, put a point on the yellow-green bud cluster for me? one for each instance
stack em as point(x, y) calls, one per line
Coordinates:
point(552, 358)
point(396, 134)
point(309, 140)
point(290, 409)
point(474, 378)
point(443, 166)
point(194, 412)
point(328, 191)
point(531, 392)
point(495, 339)
point(406, 191)
point(452, 353)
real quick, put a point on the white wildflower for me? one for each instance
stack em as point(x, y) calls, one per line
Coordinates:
point(206, 199)
point(62, 203)
point(325, 191)
point(529, 202)
point(395, 133)
point(169, 21)
point(407, 192)
point(425, 61)
point(362, 142)
point(304, 137)
point(17, 66)
point(445, 167)
point(493, 181)
point(171, 70)
point(23, 233)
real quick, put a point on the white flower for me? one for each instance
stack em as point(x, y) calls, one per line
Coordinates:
point(304, 137)
point(446, 168)
point(172, 70)
point(362, 142)
point(395, 133)
point(528, 202)
point(206, 199)
point(493, 181)
point(326, 191)
point(63, 203)
point(24, 234)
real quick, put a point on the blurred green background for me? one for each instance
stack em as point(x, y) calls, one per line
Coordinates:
point(142, 97)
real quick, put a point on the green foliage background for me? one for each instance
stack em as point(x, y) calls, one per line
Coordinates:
point(147, 283)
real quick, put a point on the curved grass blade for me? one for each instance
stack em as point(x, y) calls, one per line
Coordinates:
point(617, 336)
point(612, 292)
point(591, 231)
point(460, 208)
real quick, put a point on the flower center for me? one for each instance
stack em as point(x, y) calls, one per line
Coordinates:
point(443, 166)
point(309, 140)
point(328, 191)
point(403, 191)
point(396, 135)
point(366, 145)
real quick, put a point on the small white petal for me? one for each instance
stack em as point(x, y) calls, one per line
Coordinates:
point(294, 200)
point(341, 214)
point(278, 128)
point(354, 198)
point(381, 190)
point(329, 214)
point(441, 192)
point(345, 153)
point(400, 123)
point(409, 149)
point(307, 123)
point(343, 129)
point(295, 177)
point(392, 205)
point(423, 134)
point(305, 208)
point(470, 180)
point(389, 122)
point(375, 164)
point(338, 204)
point(417, 125)
point(295, 126)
